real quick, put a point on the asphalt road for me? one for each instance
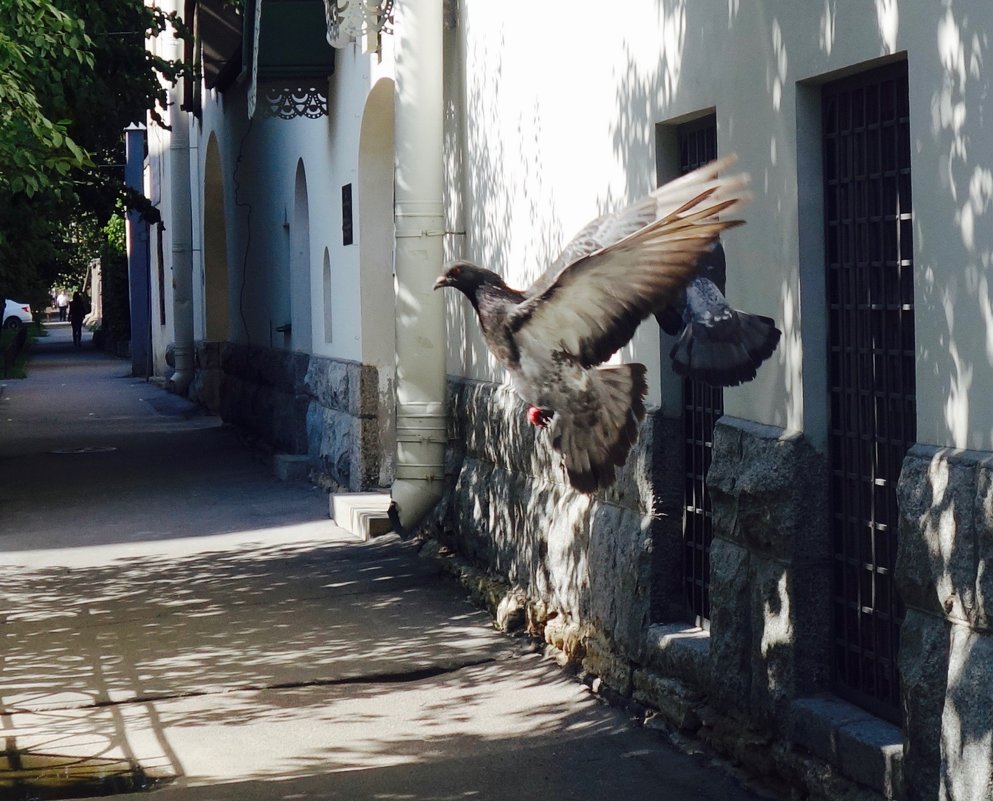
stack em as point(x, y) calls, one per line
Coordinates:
point(174, 615)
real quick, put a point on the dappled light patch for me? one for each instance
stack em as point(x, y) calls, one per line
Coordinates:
point(352, 657)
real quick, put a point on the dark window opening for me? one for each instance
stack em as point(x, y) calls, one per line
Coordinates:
point(703, 405)
point(872, 415)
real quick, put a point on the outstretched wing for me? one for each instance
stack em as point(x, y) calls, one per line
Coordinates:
point(610, 228)
point(595, 303)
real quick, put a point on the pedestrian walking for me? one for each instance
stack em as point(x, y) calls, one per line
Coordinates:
point(62, 302)
point(78, 309)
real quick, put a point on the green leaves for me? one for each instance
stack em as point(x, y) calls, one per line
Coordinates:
point(73, 75)
point(35, 151)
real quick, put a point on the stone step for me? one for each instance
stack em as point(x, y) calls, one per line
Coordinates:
point(364, 514)
point(291, 466)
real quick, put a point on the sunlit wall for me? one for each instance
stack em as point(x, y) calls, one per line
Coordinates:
point(273, 172)
point(552, 111)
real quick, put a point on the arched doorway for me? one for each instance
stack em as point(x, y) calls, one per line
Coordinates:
point(328, 297)
point(300, 294)
point(376, 242)
point(375, 226)
point(215, 249)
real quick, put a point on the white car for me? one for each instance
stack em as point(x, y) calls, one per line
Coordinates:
point(16, 314)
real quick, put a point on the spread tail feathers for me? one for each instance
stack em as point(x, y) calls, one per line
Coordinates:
point(725, 354)
point(595, 440)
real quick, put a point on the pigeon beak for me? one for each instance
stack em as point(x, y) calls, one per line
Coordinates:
point(442, 281)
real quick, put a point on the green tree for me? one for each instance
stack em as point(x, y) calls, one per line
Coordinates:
point(73, 75)
point(114, 265)
point(38, 44)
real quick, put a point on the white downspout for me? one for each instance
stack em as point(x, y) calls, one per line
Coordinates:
point(420, 225)
point(182, 234)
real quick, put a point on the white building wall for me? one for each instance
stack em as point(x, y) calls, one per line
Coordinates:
point(196, 212)
point(158, 189)
point(259, 165)
point(552, 109)
point(356, 73)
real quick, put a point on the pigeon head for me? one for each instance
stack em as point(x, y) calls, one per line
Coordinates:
point(467, 277)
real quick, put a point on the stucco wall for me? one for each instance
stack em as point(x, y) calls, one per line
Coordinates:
point(272, 171)
point(158, 189)
point(553, 118)
point(270, 160)
point(552, 121)
point(280, 184)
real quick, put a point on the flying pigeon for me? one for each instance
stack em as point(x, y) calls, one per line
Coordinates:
point(715, 344)
point(553, 336)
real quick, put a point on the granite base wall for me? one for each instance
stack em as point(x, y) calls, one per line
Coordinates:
point(337, 412)
point(349, 424)
point(612, 561)
point(599, 578)
point(944, 575)
point(207, 388)
point(264, 393)
point(770, 569)
point(585, 559)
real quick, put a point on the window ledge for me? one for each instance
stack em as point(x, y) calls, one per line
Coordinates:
point(862, 747)
point(678, 649)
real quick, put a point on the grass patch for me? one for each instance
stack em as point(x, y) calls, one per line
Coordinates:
point(19, 368)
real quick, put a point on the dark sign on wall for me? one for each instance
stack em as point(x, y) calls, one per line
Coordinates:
point(346, 214)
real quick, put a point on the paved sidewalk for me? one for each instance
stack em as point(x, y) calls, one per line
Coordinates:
point(173, 613)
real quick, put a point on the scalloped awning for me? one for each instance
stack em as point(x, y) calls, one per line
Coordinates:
point(291, 59)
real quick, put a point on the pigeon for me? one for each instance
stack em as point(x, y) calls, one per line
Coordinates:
point(553, 337)
point(715, 343)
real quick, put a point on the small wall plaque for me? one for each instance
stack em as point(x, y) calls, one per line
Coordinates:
point(346, 214)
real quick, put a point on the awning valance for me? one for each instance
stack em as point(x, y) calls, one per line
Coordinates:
point(291, 58)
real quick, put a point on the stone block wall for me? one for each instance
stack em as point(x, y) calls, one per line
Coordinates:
point(208, 377)
point(612, 562)
point(350, 424)
point(944, 574)
point(600, 578)
point(337, 412)
point(770, 569)
point(264, 392)
point(585, 560)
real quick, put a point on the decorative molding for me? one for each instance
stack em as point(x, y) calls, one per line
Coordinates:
point(288, 102)
point(349, 20)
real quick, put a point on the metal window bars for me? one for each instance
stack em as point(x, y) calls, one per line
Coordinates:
point(870, 296)
point(702, 406)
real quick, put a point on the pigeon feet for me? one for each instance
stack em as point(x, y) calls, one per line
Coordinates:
point(538, 417)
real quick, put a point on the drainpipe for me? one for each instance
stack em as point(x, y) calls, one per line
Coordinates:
point(139, 275)
point(420, 224)
point(182, 234)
